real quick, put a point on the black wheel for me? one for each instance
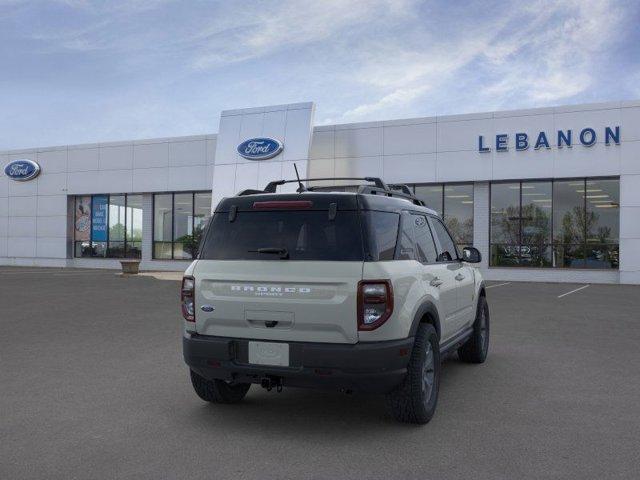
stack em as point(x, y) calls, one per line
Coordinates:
point(476, 348)
point(218, 391)
point(414, 401)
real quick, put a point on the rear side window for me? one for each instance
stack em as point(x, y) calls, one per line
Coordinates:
point(406, 240)
point(304, 235)
point(381, 234)
point(447, 251)
point(424, 240)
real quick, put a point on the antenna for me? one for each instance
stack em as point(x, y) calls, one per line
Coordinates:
point(301, 187)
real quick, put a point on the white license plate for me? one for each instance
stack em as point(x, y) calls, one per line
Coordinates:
point(269, 353)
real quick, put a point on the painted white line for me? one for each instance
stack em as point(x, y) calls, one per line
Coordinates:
point(573, 291)
point(498, 285)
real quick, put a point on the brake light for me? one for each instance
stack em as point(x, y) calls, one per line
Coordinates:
point(187, 298)
point(375, 303)
point(283, 204)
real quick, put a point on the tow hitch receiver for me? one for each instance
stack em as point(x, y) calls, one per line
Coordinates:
point(271, 382)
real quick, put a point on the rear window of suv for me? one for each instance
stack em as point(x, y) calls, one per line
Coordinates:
point(303, 235)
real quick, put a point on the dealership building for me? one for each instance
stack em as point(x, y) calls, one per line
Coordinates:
point(549, 194)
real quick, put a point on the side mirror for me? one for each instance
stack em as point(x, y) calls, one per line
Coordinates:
point(471, 255)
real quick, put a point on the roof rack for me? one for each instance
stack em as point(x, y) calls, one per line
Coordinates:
point(378, 188)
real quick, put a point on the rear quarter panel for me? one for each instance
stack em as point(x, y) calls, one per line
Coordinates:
point(410, 291)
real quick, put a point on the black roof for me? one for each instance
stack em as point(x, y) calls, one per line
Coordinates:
point(322, 201)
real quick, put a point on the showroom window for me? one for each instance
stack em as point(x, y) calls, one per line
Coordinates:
point(563, 224)
point(454, 203)
point(108, 226)
point(178, 222)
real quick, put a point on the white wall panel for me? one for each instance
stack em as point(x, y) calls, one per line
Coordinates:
point(117, 157)
point(420, 138)
point(463, 135)
point(54, 247)
point(52, 161)
point(630, 124)
point(410, 168)
point(23, 189)
point(298, 128)
point(598, 160)
point(51, 205)
point(83, 159)
point(150, 179)
point(630, 157)
point(322, 145)
point(52, 226)
point(52, 184)
point(151, 155)
point(22, 227)
point(4, 206)
point(188, 178)
point(456, 167)
point(115, 181)
point(188, 153)
point(4, 226)
point(228, 139)
point(22, 206)
point(21, 246)
point(84, 183)
point(359, 142)
point(359, 167)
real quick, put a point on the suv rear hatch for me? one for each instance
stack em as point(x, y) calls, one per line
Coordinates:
point(281, 267)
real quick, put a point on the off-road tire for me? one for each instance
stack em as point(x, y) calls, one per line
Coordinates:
point(218, 391)
point(476, 348)
point(413, 401)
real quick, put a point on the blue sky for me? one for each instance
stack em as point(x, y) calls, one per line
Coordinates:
point(78, 71)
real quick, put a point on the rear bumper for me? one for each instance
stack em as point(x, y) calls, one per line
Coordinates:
point(375, 367)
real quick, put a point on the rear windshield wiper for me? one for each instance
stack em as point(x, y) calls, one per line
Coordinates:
point(283, 252)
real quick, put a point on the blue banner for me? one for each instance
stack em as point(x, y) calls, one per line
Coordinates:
point(99, 218)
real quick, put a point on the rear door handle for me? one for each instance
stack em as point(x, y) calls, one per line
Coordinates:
point(436, 282)
point(459, 277)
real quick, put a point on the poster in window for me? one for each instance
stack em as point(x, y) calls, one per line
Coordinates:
point(83, 219)
point(99, 218)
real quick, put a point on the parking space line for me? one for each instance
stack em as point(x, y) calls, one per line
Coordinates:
point(498, 285)
point(573, 291)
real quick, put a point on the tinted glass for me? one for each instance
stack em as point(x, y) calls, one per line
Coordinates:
point(426, 248)
point(184, 246)
point(603, 223)
point(458, 212)
point(505, 213)
point(536, 224)
point(117, 220)
point(162, 225)
point(447, 251)
point(431, 195)
point(406, 241)
point(381, 234)
point(162, 217)
point(568, 212)
point(134, 226)
point(306, 235)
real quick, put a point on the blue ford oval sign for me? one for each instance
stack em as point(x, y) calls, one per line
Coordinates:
point(260, 148)
point(22, 170)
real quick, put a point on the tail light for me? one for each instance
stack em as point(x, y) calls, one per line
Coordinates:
point(375, 303)
point(187, 294)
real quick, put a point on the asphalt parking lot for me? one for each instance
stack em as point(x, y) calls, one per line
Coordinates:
point(92, 385)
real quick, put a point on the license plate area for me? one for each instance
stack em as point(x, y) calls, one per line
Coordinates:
point(269, 353)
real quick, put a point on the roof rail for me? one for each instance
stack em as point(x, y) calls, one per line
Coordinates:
point(271, 187)
point(379, 187)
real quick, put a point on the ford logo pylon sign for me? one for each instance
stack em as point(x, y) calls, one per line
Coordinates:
point(260, 148)
point(22, 170)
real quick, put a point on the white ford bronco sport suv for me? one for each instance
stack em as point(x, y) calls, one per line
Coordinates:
point(356, 291)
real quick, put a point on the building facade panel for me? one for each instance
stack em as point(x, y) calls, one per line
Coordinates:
point(89, 192)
